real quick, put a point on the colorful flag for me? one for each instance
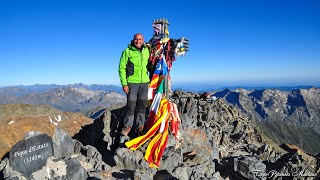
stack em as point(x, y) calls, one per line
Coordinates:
point(175, 120)
point(159, 74)
point(160, 116)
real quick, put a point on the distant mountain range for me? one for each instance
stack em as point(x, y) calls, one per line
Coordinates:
point(74, 97)
point(285, 116)
point(210, 87)
point(40, 88)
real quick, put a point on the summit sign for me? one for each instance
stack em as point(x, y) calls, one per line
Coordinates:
point(30, 155)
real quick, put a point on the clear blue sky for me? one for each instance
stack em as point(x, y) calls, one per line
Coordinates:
point(239, 42)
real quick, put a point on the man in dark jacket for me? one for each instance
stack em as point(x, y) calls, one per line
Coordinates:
point(134, 80)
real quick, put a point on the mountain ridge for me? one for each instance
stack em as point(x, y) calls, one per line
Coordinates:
point(294, 109)
point(74, 98)
point(38, 88)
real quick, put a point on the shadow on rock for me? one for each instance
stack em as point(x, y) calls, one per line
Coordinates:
point(104, 132)
point(124, 174)
point(93, 135)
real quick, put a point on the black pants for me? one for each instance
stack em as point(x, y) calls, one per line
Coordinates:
point(137, 100)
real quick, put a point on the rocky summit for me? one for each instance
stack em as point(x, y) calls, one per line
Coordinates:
point(218, 142)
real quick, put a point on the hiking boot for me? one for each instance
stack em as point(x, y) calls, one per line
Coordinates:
point(125, 131)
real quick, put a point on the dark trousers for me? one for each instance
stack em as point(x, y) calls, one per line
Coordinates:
point(137, 100)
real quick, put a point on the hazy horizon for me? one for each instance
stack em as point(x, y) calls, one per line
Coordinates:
point(197, 86)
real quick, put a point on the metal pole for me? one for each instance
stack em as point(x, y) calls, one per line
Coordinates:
point(165, 29)
point(167, 86)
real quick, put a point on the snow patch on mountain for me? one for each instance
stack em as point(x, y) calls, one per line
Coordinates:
point(55, 120)
point(87, 93)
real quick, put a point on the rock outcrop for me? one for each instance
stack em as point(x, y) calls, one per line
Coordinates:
point(219, 141)
point(70, 160)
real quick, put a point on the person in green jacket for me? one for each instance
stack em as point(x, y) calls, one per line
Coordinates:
point(134, 79)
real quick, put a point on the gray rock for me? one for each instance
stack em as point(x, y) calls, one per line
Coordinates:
point(95, 159)
point(30, 155)
point(143, 175)
point(248, 167)
point(171, 159)
point(31, 134)
point(63, 143)
point(3, 163)
point(61, 169)
point(217, 176)
point(130, 160)
point(9, 173)
point(181, 173)
point(77, 146)
point(202, 171)
point(75, 170)
point(54, 169)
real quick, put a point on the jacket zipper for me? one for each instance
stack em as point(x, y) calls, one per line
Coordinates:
point(141, 65)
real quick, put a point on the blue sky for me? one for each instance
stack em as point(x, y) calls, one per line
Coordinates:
point(233, 43)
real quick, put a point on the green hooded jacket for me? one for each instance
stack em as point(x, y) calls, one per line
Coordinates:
point(133, 65)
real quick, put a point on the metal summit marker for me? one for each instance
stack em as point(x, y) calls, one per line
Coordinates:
point(31, 154)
